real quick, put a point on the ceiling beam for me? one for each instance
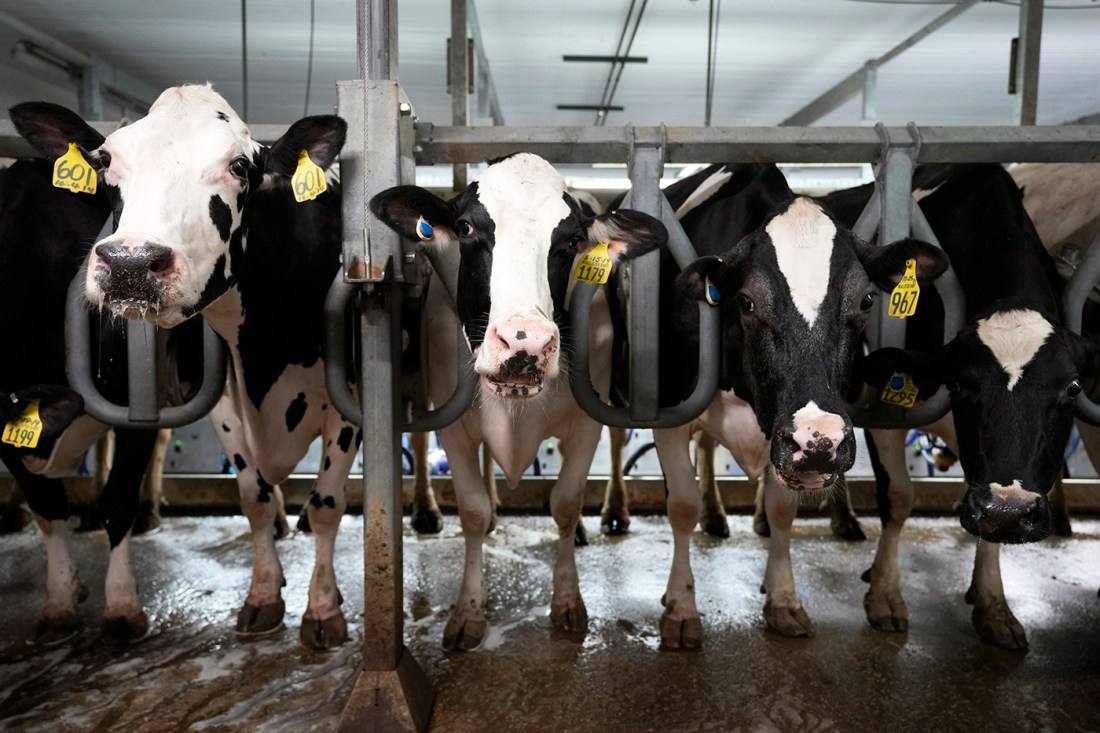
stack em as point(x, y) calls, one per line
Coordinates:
point(853, 84)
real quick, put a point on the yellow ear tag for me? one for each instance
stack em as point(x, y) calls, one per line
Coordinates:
point(73, 172)
point(595, 266)
point(24, 431)
point(900, 391)
point(903, 299)
point(308, 180)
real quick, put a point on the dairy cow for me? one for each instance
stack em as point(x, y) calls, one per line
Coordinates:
point(794, 287)
point(1013, 372)
point(206, 223)
point(514, 236)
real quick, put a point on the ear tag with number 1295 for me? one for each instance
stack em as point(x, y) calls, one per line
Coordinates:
point(903, 299)
point(308, 180)
point(595, 266)
point(73, 172)
point(900, 391)
point(24, 431)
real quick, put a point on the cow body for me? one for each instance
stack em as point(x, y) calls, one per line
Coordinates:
point(512, 237)
point(1013, 372)
point(205, 223)
point(794, 288)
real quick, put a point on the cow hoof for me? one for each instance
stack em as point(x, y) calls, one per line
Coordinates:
point(615, 524)
point(580, 535)
point(996, 625)
point(1060, 523)
point(716, 525)
point(121, 630)
point(426, 521)
point(787, 616)
point(492, 523)
point(14, 519)
point(88, 521)
point(323, 633)
point(760, 525)
point(464, 632)
point(847, 527)
point(53, 630)
point(569, 617)
point(257, 620)
point(886, 611)
point(302, 525)
point(146, 521)
point(680, 631)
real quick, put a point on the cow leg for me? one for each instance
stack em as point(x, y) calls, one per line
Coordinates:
point(842, 518)
point(567, 610)
point(759, 516)
point(992, 618)
point(152, 488)
point(615, 513)
point(489, 477)
point(883, 602)
point(783, 610)
point(681, 627)
point(323, 623)
point(426, 517)
point(714, 520)
point(1059, 510)
point(123, 618)
point(465, 629)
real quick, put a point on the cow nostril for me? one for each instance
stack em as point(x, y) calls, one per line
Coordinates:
point(161, 259)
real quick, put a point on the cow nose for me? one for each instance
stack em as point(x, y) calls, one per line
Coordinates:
point(816, 433)
point(1007, 514)
point(512, 337)
point(129, 263)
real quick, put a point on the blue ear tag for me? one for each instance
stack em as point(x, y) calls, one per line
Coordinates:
point(712, 293)
point(423, 229)
point(897, 382)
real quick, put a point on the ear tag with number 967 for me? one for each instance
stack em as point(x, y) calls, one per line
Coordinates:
point(308, 180)
point(903, 299)
point(73, 172)
point(24, 431)
point(595, 266)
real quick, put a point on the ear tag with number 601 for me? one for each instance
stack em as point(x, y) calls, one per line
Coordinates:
point(595, 266)
point(900, 391)
point(903, 299)
point(24, 431)
point(73, 172)
point(308, 180)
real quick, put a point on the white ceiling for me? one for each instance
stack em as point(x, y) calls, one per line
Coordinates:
point(774, 56)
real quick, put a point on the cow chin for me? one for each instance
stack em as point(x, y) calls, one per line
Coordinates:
point(795, 479)
point(521, 387)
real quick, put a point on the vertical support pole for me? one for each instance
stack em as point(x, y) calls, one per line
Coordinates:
point(868, 111)
point(458, 79)
point(91, 91)
point(646, 164)
point(1027, 61)
point(896, 180)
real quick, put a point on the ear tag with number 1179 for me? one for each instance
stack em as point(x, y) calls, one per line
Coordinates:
point(903, 299)
point(595, 266)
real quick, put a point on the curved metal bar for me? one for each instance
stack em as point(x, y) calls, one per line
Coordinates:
point(619, 417)
point(142, 375)
point(1077, 292)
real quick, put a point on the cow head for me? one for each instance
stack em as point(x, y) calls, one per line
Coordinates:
point(801, 287)
point(1013, 374)
point(518, 233)
point(180, 181)
point(57, 406)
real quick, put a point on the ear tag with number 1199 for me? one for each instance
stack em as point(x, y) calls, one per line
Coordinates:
point(24, 431)
point(903, 299)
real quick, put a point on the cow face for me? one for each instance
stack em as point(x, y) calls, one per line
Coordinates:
point(518, 233)
point(1013, 375)
point(801, 288)
point(179, 180)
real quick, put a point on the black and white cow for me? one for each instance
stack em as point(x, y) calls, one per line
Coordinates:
point(794, 288)
point(1013, 372)
point(206, 223)
point(514, 236)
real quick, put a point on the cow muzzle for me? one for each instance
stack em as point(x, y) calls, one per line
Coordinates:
point(131, 278)
point(517, 356)
point(1008, 514)
point(813, 451)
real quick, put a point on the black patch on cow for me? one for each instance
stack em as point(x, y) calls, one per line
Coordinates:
point(344, 441)
point(295, 412)
point(225, 427)
point(315, 499)
point(238, 461)
point(328, 462)
point(222, 116)
point(358, 439)
point(521, 335)
point(222, 216)
point(266, 489)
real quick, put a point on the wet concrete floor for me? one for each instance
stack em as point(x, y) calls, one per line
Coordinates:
point(193, 674)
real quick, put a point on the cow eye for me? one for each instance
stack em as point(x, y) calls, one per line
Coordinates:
point(745, 304)
point(867, 302)
point(1073, 388)
point(464, 228)
point(239, 167)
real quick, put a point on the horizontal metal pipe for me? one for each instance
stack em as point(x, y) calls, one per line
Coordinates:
point(14, 146)
point(1076, 294)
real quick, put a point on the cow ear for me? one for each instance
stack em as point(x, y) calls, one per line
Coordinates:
point(322, 136)
point(877, 368)
point(1085, 353)
point(628, 234)
point(416, 214)
point(886, 265)
point(706, 279)
point(57, 406)
point(49, 128)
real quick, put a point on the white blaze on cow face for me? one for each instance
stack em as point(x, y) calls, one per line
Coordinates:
point(172, 172)
point(1014, 337)
point(803, 240)
point(523, 196)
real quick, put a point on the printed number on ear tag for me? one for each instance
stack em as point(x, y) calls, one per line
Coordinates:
point(308, 180)
point(595, 266)
point(900, 391)
point(903, 299)
point(73, 172)
point(24, 431)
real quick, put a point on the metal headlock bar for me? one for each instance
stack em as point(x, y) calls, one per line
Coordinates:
point(1075, 296)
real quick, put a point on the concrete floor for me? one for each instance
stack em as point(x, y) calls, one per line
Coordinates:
point(193, 674)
